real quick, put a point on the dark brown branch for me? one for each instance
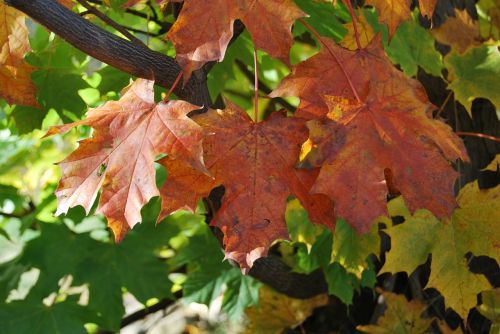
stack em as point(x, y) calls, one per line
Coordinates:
point(141, 314)
point(275, 273)
point(113, 50)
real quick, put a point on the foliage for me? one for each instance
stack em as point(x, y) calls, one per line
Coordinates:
point(301, 170)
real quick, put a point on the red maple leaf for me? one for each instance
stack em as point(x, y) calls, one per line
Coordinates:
point(128, 135)
point(388, 125)
point(255, 163)
point(204, 28)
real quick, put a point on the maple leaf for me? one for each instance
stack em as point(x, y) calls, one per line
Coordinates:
point(67, 3)
point(392, 12)
point(365, 31)
point(427, 7)
point(412, 47)
point(16, 86)
point(473, 228)
point(14, 43)
point(119, 157)
point(351, 250)
point(204, 28)
point(255, 163)
point(469, 35)
point(475, 74)
point(277, 312)
point(400, 317)
point(381, 120)
point(15, 74)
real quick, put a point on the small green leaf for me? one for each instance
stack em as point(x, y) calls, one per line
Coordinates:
point(413, 46)
point(475, 74)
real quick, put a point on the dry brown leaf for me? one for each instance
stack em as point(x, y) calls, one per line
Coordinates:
point(390, 127)
point(204, 28)
point(460, 32)
point(16, 86)
point(255, 163)
point(365, 32)
point(392, 12)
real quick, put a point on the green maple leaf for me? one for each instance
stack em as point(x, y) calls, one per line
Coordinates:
point(475, 74)
point(413, 46)
point(351, 249)
point(105, 267)
point(23, 317)
point(210, 276)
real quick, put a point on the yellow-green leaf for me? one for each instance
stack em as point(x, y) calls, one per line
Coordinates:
point(475, 74)
point(472, 229)
point(490, 308)
point(400, 317)
point(276, 312)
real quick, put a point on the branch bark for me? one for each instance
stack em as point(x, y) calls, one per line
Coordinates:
point(115, 51)
point(142, 62)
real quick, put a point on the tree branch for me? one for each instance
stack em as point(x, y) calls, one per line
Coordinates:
point(145, 63)
point(113, 50)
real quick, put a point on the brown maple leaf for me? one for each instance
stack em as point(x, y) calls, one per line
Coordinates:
point(468, 37)
point(16, 86)
point(15, 74)
point(14, 42)
point(67, 3)
point(128, 135)
point(255, 163)
point(388, 125)
point(392, 12)
point(427, 7)
point(204, 28)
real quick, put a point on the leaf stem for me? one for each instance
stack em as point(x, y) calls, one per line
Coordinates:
point(256, 86)
point(480, 135)
point(320, 39)
point(110, 22)
point(176, 82)
point(354, 22)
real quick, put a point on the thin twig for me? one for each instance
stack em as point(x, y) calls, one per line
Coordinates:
point(128, 10)
point(110, 22)
point(256, 86)
point(141, 314)
point(179, 76)
point(153, 11)
point(444, 104)
point(480, 135)
point(354, 23)
point(263, 87)
point(320, 39)
point(139, 31)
